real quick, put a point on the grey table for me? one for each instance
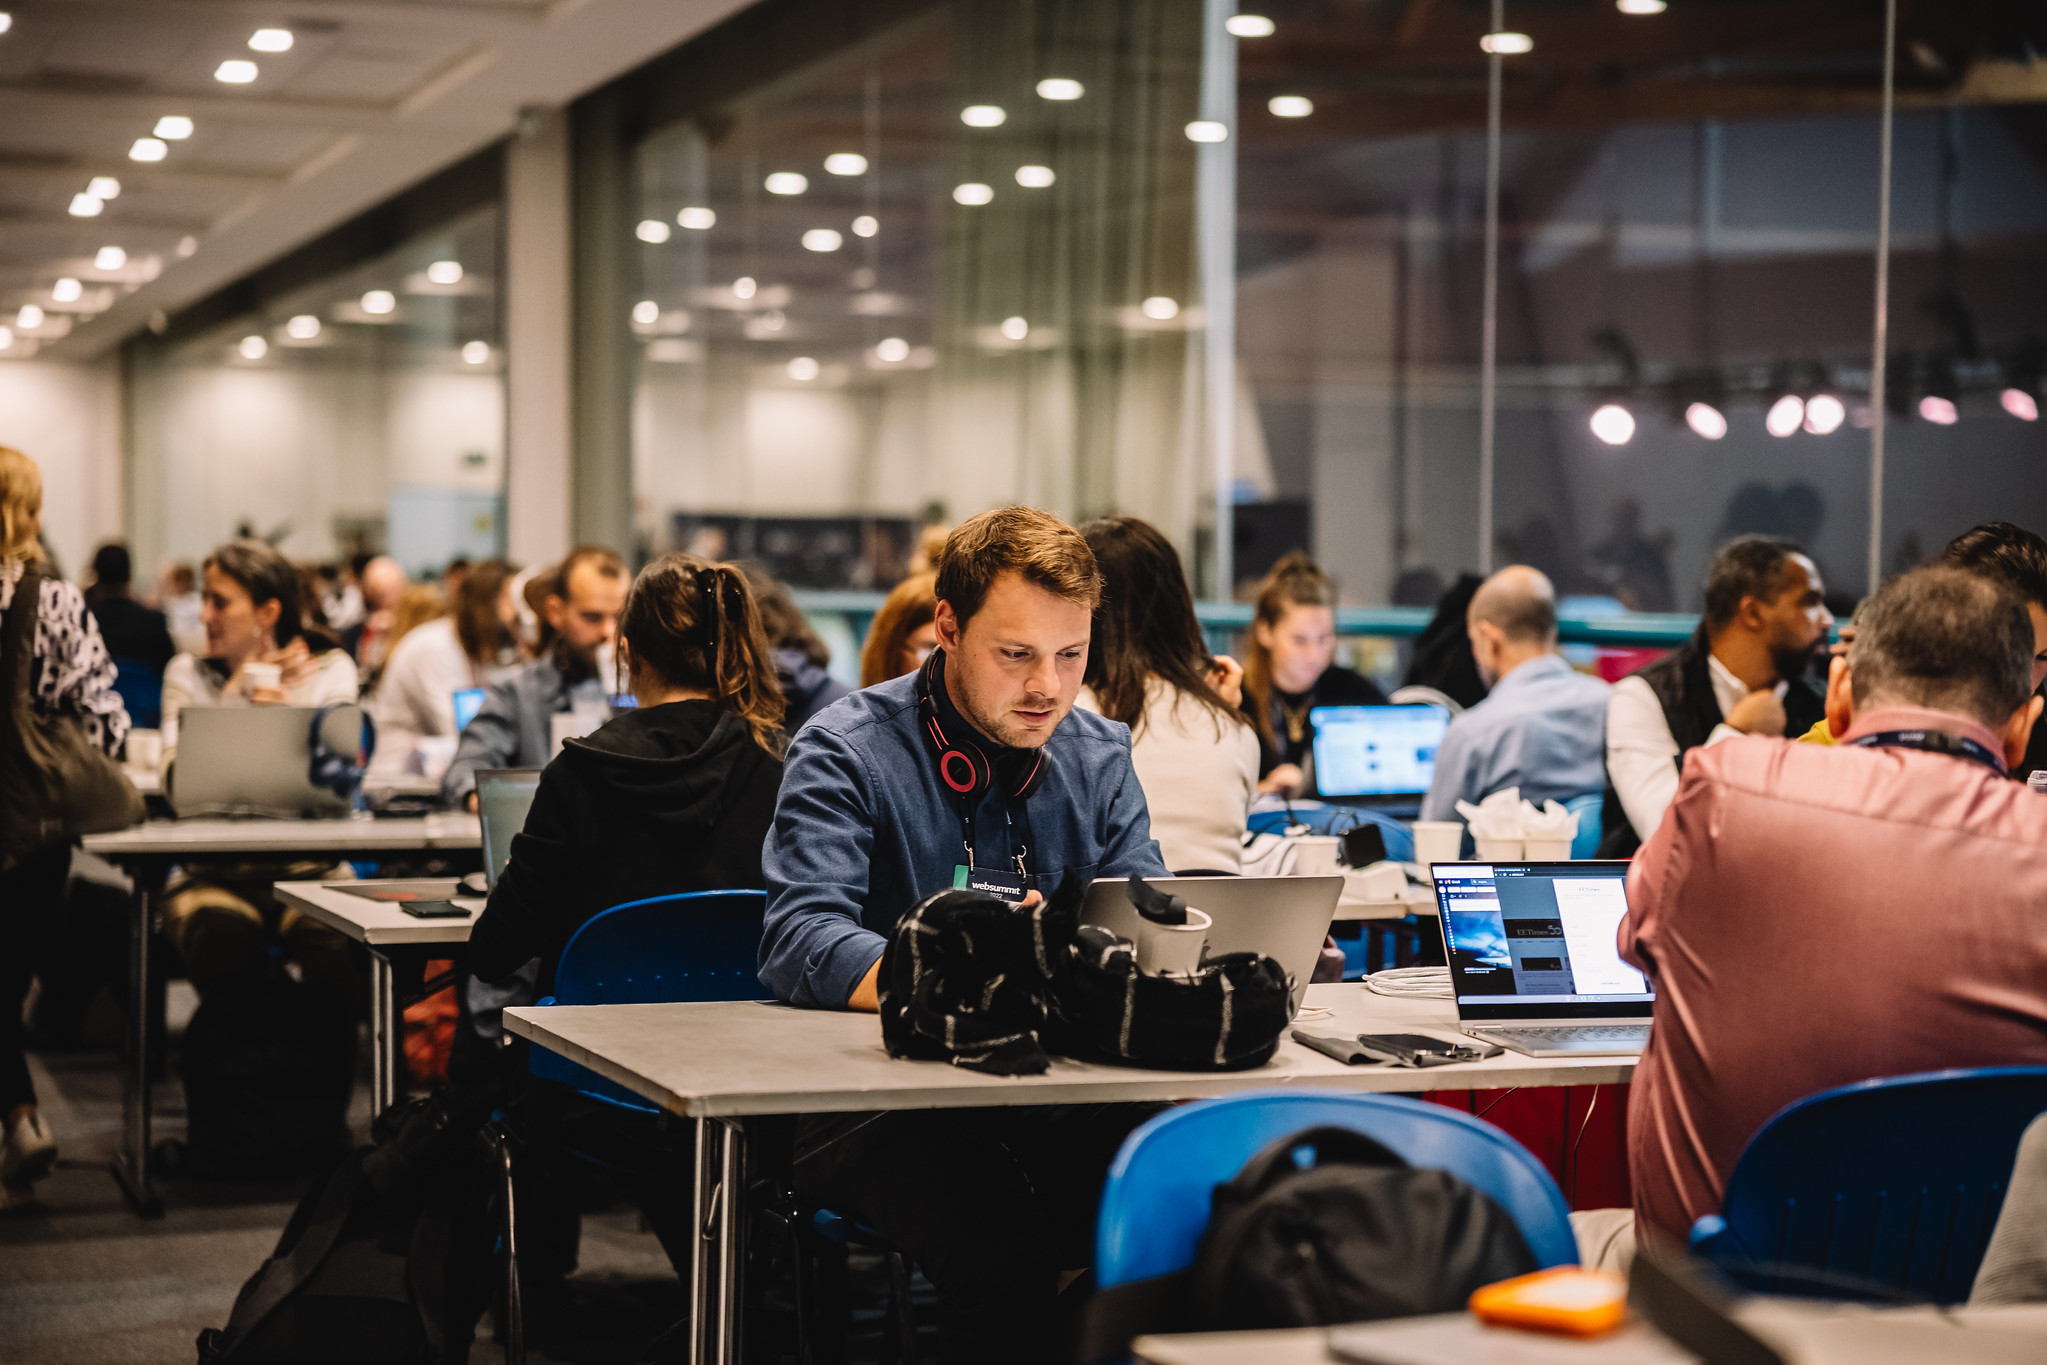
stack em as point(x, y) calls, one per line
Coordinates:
point(1805, 1333)
point(149, 851)
point(389, 933)
point(720, 1064)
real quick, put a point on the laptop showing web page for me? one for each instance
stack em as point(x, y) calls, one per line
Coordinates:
point(1373, 754)
point(1534, 965)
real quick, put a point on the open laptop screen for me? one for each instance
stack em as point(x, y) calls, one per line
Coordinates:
point(1538, 937)
point(1376, 750)
point(503, 796)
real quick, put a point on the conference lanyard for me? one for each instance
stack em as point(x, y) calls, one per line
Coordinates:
point(1933, 742)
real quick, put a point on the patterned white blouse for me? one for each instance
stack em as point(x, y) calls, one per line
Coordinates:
point(73, 671)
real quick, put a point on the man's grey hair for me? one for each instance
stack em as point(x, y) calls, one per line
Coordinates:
point(1945, 639)
point(1521, 601)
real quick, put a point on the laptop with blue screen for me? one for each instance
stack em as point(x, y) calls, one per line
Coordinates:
point(1371, 755)
point(1534, 965)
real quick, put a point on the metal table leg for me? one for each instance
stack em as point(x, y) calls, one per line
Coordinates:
point(731, 1242)
point(386, 1029)
point(131, 1163)
point(703, 1201)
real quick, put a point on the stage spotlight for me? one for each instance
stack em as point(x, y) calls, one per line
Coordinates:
point(1707, 420)
point(1824, 414)
point(1785, 416)
point(1613, 424)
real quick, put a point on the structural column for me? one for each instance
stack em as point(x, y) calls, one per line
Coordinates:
point(539, 351)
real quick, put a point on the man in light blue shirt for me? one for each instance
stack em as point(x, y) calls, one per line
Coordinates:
point(1542, 727)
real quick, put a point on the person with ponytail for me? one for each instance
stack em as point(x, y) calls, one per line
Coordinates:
point(1290, 669)
point(675, 795)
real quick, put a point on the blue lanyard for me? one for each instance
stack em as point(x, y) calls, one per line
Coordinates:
point(1934, 742)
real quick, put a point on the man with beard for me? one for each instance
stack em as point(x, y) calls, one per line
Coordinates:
point(1744, 672)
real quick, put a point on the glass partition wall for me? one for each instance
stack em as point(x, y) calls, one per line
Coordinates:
point(944, 267)
point(359, 407)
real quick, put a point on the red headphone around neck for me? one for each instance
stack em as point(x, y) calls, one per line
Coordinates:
point(963, 765)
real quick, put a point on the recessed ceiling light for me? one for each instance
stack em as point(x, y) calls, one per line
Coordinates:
point(476, 352)
point(1248, 26)
point(379, 302)
point(149, 149)
point(1507, 44)
point(1707, 420)
point(173, 127)
point(6, 22)
point(1290, 106)
point(110, 258)
point(1035, 177)
point(646, 312)
point(445, 272)
point(803, 369)
point(1060, 88)
point(1824, 414)
point(893, 350)
point(1785, 416)
point(1016, 329)
point(2020, 404)
point(271, 40)
point(67, 290)
point(846, 163)
point(973, 194)
point(822, 239)
point(6, 333)
point(303, 327)
point(1159, 308)
point(254, 348)
point(744, 287)
point(235, 71)
point(29, 318)
point(866, 225)
point(786, 182)
point(983, 116)
point(697, 219)
point(1641, 6)
point(103, 187)
point(1939, 411)
point(86, 205)
point(652, 230)
point(186, 246)
point(1613, 424)
point(1208, 130)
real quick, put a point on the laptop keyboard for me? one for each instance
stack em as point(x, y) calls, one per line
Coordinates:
point(1567, 1035)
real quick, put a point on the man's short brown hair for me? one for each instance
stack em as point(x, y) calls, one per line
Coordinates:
point(1947, 639)
point(1044, 549)
point(600, 557)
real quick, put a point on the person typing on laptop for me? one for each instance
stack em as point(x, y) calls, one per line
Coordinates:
point(1815, 915)
point(975, 770)
point(1542, 727)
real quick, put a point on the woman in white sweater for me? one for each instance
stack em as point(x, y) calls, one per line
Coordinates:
point(415, 697)
point(1195, 753)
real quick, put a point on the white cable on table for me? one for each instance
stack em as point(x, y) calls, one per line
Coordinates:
point(1413, 983)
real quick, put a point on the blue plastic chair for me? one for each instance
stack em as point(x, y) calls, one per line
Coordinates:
point(1588, 809)
point(1156, 1203)
point(1895, 1183)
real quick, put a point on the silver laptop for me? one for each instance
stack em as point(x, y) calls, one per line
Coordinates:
point(503, 796)
point(1533, 962)
point(1285, 918)
point(248, 760)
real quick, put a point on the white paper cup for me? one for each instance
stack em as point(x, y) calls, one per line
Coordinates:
point(257, 676)
point(1172, 949)
point(1315, 855)
point(1547, 850)
point(145, 749)
point(1500, 850)
point(1438, 841)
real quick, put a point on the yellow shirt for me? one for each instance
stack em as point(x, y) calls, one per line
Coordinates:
point(1819, 734)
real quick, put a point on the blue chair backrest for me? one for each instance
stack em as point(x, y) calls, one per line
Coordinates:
point(700, 945)
point(140, 686)
point(1585, 843)
point(1156, 1203)
point(1896, 1181)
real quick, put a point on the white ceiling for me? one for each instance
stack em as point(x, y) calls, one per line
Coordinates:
point(373, 96)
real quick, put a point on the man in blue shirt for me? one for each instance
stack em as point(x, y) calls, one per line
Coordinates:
point(994, 782)
point(1542, 727)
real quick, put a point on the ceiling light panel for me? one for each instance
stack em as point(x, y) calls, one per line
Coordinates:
point(270, 40)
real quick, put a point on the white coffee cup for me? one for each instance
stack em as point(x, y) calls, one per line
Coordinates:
point(1314, 855)
point(145, 749)
point(1438, 841)
point(1500, 850)
point(257, 677)
point(1172, 949)
point(1548, 849)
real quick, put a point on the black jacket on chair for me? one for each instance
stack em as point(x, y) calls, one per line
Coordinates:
point(668, 799)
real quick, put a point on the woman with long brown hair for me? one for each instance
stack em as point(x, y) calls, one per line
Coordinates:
point(1195, 754)
point(675, 795)
point(1290, 669)
point(903, 634)
point(464, 645)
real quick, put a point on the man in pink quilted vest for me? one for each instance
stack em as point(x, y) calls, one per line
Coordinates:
point(1813, 916)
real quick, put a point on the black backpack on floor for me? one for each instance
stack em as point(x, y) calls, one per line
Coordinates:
point(269, 1064)
point(386, 1260)
point(1358, 1236)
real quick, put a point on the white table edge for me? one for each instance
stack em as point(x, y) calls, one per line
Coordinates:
point(424, 933)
